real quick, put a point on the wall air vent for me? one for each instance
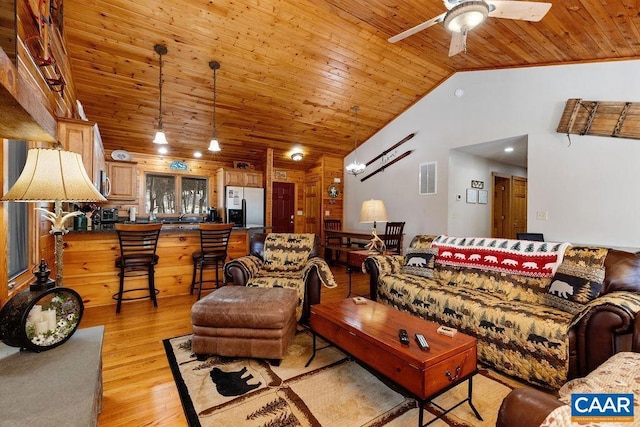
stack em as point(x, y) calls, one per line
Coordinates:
point(428, 182)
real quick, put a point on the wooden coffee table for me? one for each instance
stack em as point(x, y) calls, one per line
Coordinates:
point(369, 333)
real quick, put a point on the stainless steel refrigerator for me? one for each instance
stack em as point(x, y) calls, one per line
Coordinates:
point(245, 206)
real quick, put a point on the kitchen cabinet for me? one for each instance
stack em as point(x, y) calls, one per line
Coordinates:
point(242, 178)
point(253, 179)
point(124, 180)
point(234, 177)
point(77, 136)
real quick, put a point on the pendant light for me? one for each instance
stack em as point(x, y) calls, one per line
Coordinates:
point(160, 138)
point(213, 144)
point(355, 168)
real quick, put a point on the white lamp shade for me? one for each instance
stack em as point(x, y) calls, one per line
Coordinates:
point(355, 168)
point(373, 211)
point(51, 175)
point(160, 138)
point(214, 145)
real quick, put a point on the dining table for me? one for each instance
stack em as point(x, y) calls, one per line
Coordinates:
point(355, 241)
point(359, 235)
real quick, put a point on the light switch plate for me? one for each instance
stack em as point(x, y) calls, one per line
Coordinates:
point(300, 213)
point(336, 179)
point(327, 213)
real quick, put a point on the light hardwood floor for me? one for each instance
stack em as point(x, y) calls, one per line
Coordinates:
point(138, 385)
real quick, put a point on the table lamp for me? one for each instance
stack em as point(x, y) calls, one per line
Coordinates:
point(54, 175)
point(373, 211)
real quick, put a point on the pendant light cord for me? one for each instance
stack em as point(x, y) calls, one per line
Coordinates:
point(160, 87)
point(215, 91)
point(355, 134)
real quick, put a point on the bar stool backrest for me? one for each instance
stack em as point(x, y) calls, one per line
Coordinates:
point(214, 239)
point(138, 240)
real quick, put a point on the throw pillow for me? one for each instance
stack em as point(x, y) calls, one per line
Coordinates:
point(420, 262)
point(578, 279)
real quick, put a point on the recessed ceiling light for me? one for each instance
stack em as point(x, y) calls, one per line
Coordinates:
point(163, 150)
point(508, 149)
point(197, 154)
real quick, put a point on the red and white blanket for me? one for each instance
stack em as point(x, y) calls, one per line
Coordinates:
point(526, 258)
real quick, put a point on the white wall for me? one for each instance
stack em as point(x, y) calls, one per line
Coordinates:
point(472, 219)
point(588, 187)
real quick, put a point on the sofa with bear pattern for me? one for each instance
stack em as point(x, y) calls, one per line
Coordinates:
point(542, 311)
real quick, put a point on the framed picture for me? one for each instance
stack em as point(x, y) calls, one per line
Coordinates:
point(472, 195)
point(483, 197)
point(477, 184)
point(279, 174)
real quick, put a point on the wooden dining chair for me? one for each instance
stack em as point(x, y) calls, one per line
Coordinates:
point(393, 237)
point(332, 242)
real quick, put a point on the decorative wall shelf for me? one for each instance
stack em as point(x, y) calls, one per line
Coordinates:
point(614, 119)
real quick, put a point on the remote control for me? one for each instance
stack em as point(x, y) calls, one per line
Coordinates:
point(403, 336)
point(422, 342)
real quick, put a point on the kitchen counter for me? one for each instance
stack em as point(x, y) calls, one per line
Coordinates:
point(89, 261)
point(184, 226)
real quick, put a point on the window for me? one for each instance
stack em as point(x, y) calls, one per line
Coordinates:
point(18, 214)
point(161, 191)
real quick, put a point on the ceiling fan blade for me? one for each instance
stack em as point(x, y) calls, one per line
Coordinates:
point(458, 43)
point(524, 10)
point(417, 28)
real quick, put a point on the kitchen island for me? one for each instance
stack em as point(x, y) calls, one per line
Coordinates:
point(89, 261)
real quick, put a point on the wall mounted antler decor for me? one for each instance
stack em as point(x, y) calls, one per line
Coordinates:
point(615, 119)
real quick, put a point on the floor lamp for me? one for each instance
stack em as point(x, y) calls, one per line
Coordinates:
point(54, 175)
point(373, 211)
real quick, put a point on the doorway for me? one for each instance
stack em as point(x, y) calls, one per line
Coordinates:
point(282, 217)
point(509, 206)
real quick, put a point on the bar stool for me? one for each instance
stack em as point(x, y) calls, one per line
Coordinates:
point(214, 240)
point(138, 243)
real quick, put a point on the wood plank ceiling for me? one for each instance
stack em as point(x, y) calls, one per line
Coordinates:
point(292, 69)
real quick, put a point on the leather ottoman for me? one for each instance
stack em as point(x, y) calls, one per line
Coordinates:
point(244, 321)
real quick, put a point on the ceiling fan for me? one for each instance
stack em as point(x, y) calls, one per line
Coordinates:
point(464, 15)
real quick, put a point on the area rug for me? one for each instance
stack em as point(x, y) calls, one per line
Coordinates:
point(334, 390)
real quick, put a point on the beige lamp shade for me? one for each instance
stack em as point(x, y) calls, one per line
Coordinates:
point(373, 211)
point(51, 175)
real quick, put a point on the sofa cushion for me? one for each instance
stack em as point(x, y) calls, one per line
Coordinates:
point(287, 251)
point(524, 339)
point(578, 280)
point(420, 262)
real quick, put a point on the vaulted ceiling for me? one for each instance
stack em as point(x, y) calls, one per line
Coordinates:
point(292, 69)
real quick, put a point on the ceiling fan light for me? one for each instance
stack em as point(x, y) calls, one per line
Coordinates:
point(466, 16)
point(160, 138)
point(214, 145)
point(355, 168)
